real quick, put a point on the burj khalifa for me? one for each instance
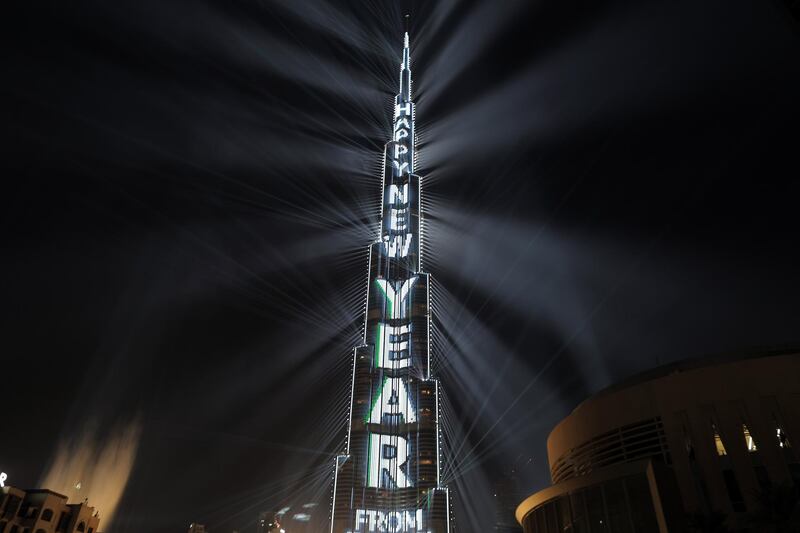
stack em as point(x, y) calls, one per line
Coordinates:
point(388, 478)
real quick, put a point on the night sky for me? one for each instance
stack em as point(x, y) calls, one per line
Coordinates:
point(190, 189)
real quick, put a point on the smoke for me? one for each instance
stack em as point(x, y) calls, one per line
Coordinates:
point(95, 468)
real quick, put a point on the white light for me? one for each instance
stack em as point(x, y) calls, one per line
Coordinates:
point(397, 245)
point(387, 454)
point(392, 346)
point(393, 402)
point(372, 520)
point(3, 478)
point(396, 295)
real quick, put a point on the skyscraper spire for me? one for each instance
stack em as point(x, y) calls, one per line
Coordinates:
point(405, 74)
point(388, 479)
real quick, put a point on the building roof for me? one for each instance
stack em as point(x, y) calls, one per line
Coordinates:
point(44, 491)
point(694, 363)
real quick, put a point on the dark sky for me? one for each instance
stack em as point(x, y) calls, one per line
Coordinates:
point(190, 189)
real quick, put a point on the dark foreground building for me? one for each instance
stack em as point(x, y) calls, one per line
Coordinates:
point(44, 511)
point(677, 449)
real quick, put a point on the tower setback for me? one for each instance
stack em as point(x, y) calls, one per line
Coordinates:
point(388, 480)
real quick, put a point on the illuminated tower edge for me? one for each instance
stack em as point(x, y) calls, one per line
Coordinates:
point(389, 478)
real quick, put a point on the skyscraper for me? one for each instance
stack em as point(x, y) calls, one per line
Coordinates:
point(388, 480)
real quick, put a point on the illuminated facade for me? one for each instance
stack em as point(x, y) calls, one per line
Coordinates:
point(388, 479)
point(43, 511)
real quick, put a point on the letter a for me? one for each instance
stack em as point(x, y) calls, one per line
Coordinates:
point(387, 454)
point(393, 402)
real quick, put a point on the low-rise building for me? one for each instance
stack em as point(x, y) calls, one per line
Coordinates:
point(676, 449)
point(44, 511)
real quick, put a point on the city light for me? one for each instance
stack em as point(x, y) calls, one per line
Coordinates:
point(388, 479)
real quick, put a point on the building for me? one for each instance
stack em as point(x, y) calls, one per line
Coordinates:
point(387, 479)
point(266, 522)
point(44, 511)
point(506, 496)
point(686, 444)
point(301, 516)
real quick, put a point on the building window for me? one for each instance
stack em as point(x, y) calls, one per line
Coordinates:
point(619, 520)
point(540, 520)
point(63, 519)
point(640, 502)
point(748, 439)
point(761, 476)
point(783, 438)
point(718, 442)
point(734, 491)
point(687, 444)
point(579, 522)
point(564, 514)
point(47, 515)
point(794, 472)
point(594, 507)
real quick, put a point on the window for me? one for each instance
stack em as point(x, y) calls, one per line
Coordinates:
point(687, 444)
point(47, 515)
point(594, 507)
point(63, 519)
point(783, 438)
point(552, 517)
point(794, 472)
point(748, 439)
point(540, 520)
point(640, 501)
point(718, 442)
point(734, 492)
point(579, 522)
point(616, 506)
point(761, 476)
point(564, 515)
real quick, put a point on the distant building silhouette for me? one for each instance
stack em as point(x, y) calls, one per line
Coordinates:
point(44, 511)
point(691, 446)
point(267, 522)
point(506, 494)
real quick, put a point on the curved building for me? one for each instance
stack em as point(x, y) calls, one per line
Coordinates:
point(687, 442)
